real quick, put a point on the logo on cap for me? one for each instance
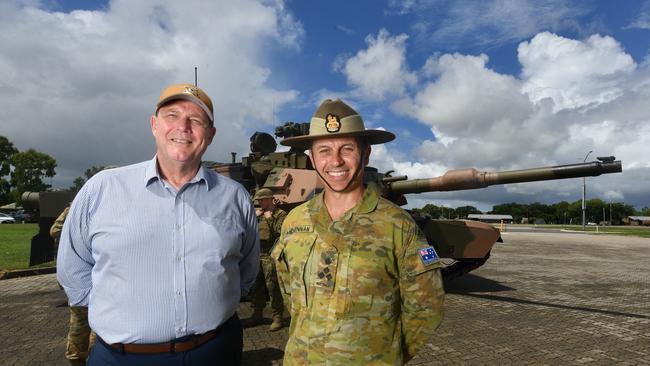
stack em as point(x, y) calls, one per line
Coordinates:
point(192, 90)
point(332, 123)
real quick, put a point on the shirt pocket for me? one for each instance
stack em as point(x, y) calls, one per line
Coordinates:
point(220, 241)
point(292, 254)
point(372, 287)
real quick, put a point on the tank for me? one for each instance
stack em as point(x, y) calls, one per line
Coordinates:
point(464, 245)
point(48, 206)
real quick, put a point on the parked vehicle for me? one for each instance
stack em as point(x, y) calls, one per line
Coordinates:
point(6, 219)
point(23, 216)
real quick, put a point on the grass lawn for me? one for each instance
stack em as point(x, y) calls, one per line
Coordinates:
point(640, 231)
point(15, 242)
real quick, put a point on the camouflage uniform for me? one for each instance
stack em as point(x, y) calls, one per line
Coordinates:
point(57, 227)
point(357, 288)
point(80, 337)
point(267, 279)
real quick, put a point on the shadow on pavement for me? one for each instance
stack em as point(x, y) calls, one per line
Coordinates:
point(559, 306)
point(262, 357)
point(472, 283)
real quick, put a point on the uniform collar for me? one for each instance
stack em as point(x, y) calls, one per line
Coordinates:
point(367, 204)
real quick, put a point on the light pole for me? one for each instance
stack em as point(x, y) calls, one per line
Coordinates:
point(584, 191)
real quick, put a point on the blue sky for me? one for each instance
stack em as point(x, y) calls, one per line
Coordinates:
point(495, 85)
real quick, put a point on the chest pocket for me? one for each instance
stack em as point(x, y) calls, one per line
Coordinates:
point(372, 282)
point(292, 254)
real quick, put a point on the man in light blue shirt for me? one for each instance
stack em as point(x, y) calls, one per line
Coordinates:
point(161, 251)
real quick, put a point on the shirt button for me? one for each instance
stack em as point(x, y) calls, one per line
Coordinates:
point(179, 258)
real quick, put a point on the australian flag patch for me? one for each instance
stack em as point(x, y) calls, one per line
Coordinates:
point(428, 255)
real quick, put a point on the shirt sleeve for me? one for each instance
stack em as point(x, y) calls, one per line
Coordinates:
point(421, 292)
point(282, 270)
point(74, 257)
point(277, 224)
point(250, 250)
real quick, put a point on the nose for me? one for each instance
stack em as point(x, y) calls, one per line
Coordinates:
point(183, 124)
point(337, 160)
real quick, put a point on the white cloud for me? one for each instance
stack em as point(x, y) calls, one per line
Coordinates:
point(345, 29)
point(481, 118)
point(381, 70)
point(574, 73)
point(642, 20)
point(80, 86)
point(471, 110)
point(486, 23)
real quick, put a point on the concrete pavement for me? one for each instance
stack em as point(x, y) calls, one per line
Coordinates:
point(541, 299)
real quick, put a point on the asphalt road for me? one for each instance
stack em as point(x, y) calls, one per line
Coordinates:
point(541, 299)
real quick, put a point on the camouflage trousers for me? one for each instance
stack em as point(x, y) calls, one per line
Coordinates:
point(80, 337)
point(267, 282)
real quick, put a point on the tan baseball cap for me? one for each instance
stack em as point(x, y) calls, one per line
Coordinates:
point(334, 118)
point(188, 92)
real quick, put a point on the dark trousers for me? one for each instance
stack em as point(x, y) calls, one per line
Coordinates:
point(224, 349)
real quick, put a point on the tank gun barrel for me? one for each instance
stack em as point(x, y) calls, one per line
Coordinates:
point(461, 179)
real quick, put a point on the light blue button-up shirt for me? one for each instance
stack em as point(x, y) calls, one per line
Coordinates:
point(152, 263)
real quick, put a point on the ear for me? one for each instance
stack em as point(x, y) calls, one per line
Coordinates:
point(213, 131)
point(311, 158)
point(152, 121)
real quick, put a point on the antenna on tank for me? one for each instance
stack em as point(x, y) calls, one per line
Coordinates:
point(196, 82)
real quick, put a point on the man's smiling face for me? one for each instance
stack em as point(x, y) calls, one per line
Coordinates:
point(182, 131)
point(337, 162)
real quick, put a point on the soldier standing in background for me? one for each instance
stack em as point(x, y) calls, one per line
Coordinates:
point(360, 280)
point(270, 220)
point(80, 337)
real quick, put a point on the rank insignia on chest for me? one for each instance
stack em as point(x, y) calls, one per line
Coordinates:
point(428, 255)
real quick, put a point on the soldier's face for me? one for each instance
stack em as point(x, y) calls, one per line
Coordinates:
point(337, 160)
point(266, 204)
point(182, 131)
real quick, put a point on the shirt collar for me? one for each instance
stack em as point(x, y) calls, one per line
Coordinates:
point(152, 173)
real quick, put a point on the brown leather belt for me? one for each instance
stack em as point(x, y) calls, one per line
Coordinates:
point(169, 347)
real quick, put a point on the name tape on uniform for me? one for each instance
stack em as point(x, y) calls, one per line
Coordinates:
point(299, 229)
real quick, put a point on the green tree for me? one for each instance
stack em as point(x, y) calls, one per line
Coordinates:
point(7, 149)
point(518, 211)
point(463, 211)
point(432, 210)
point(30, 168)
point(80, 181)
point(560, 212)
point(645, 211)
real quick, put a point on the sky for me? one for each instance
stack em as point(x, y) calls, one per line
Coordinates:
point(493, 85)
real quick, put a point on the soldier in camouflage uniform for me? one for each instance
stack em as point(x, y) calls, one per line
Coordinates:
point(80, 337)
point(270, 220)
point(361, 282)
